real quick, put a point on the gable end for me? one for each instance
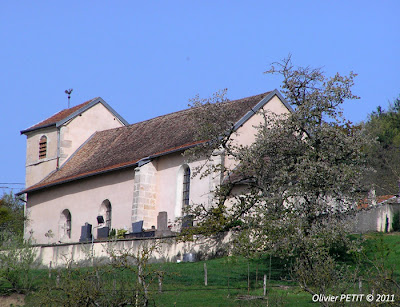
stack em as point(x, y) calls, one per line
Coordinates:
point(88, 106)
point(261, 104)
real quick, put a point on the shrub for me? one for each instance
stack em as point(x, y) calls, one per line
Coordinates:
point(396, 222)
point(17, 259)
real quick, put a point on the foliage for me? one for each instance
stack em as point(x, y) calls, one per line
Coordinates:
point(11, 217)
point(302, 171)
point(17, 259)
point(121, 233)
point(385, 125)
point(138, 264)
point(317, 271)
point(113, 233)
point(396, 221)
point(384, 154)
point(295, 186)
point(381, 273)
point(124, 282)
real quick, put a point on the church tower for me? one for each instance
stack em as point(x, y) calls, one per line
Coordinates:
point(52, 141)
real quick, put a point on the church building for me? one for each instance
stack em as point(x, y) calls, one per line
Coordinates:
point(87, 165)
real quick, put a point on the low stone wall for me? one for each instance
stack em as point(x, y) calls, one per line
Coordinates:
point(168, 250)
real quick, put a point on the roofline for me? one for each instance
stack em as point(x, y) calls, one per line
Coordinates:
point(111, 169)
point(37, 128)
point(259, 105)
point(95, 173)
point(93, 102)
point(88, 106)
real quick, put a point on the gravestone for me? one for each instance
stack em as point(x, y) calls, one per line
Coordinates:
point(187, 221)
point(137, 227)
point(162, 220)
point(103, 232)
point(86, 233)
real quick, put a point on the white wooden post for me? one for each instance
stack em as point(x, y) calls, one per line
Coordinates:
point(248, 277)
point(265, 284)
point(159, 283)
point(205, 274)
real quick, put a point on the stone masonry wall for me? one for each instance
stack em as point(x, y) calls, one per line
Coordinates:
point(144, 195)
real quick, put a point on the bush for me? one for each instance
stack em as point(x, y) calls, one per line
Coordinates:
point(124, 282)
point(17, 259)
point(396, 222)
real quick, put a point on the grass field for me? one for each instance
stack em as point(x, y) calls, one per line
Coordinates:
point(236, 281)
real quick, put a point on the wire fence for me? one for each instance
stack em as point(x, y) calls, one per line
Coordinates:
point(245, 281)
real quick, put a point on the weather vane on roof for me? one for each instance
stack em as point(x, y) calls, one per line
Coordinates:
point(69, 94)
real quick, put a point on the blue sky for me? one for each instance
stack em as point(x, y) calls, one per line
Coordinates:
point(148, 58)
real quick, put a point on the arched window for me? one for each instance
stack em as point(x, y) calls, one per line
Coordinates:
point(43, 147)
point(186, 187)
point(182, 190)
point(106, 212)
point(65, 223)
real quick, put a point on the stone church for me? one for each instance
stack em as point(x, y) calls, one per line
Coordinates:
point(87, 165)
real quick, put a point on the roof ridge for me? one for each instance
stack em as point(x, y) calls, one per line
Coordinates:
point(190, 109)
point(68, 112)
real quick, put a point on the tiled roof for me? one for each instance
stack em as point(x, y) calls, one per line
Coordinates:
point(58, 116)
point(364, 204)
point(122, 147)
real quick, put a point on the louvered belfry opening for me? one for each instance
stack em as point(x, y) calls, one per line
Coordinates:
point(43, 147)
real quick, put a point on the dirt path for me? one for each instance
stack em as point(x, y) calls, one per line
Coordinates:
point(15, 299)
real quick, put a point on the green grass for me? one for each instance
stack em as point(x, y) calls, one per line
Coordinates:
point(183, 283)
point(227, 279)
point(378, 244)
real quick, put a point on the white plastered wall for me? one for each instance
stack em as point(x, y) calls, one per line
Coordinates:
point(384, 218)
point(170, 185)
point(83, 198)
point(246, 134)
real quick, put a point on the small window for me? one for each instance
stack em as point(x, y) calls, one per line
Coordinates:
point(186, 187)
point(43, 147)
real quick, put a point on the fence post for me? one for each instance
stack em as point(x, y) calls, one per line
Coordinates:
point(248, 277)
point(265, 284)
point(229, 293)
point(255, 286)
point(58, 278)
point(270, 265)
point(159, 283)
point(205, 274)
point(50, 269)
point(97, 279)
